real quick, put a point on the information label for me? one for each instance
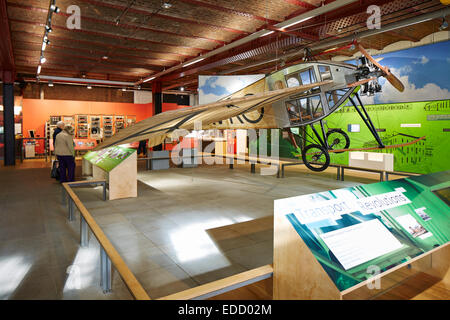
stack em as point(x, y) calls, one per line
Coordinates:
point(360, 243)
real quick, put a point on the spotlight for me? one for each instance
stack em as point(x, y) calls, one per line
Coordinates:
point(54, 8)
point(167, 5)
point(39, 69)
point(124, 89)
point(43, 59)
point(50, 83)
point(48, 28)
point(89, 86)
point(444, 24)
point(44, 45)
point(105, 57)
point(181, 88)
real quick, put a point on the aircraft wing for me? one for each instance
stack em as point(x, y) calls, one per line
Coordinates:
point(162, 125)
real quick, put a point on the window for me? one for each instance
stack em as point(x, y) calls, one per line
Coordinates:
point(334, 97)
point(293, 112)
point(303, 77)
point(304, 109)
point(293, 82)
point(325, 73)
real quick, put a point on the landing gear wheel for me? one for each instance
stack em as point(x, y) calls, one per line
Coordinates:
point(315, 157)
point(338, 139)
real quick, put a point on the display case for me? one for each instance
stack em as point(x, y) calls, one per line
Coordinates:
point(108, 129)
point(82, 126)
point(119, 123)
point(95, 130)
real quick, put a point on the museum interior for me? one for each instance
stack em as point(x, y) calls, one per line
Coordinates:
point(224, 150)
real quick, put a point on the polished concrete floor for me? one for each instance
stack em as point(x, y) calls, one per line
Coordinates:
point(187, 227)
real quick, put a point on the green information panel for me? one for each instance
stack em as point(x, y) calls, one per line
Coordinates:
point(108, 158)
point(353, 230)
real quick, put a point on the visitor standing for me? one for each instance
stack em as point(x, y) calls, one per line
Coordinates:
point(64, 150)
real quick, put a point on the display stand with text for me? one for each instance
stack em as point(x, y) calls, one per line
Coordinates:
point(364, 242)
point(118, 166)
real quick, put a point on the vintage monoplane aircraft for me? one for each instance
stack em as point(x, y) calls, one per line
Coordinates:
point(296, 96)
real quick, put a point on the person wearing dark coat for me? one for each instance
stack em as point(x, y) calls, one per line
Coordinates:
point(59, 127)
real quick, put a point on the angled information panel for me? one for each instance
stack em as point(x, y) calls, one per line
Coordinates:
point(383, 224)
point(108, 158)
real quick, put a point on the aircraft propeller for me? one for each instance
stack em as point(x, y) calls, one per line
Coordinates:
point(387, 73)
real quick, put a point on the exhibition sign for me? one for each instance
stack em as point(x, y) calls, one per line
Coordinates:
point(108, 158)
point(384, 224)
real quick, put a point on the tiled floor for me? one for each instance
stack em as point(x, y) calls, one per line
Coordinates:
point(187, 227)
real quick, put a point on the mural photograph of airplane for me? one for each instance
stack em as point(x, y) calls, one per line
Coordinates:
point(300, 95)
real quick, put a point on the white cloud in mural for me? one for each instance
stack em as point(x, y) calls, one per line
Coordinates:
point(389, 94)
point(423, 60)
point(429, 91)
point(213, 88)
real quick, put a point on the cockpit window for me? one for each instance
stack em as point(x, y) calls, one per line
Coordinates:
point(301, 78)
point(325, 73)
point(293, 82)
point(308, 76)
point(306, 109)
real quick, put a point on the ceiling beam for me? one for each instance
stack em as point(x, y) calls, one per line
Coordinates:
point(302, 4)
point(123, 25)
point(85, 67)
point(403, 36)
point(106, 62)
point(228, 10)
point(103, 34)
point(163, 16)
point(17, 44)
point(7, 65)
point(108, 45)
point(305, 16)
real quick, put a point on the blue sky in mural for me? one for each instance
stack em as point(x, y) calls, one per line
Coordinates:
point(213, 88)
point(423, 70)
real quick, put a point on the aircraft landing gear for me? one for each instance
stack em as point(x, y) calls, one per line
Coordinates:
point(337, 140)
point(315, 157)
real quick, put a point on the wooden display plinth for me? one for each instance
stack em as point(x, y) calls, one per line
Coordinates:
point(121, 180)
point(297, 274)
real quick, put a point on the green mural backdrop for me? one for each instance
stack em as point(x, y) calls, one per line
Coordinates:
point(399, 123)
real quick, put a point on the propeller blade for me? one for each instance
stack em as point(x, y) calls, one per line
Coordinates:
point(393, 80)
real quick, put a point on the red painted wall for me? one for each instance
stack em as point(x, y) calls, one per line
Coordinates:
point(36, 112)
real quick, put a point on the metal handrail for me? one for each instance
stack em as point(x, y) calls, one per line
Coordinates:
point(108, 252)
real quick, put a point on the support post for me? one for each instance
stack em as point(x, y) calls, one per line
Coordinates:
point(84, 232)
point(366, 120)
point(342, 174)
point(338, 173)
point(104, 191)
point(70, 209)
point(157, 101)
point(252, 167)
point(105, 271)
point(8, 124)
